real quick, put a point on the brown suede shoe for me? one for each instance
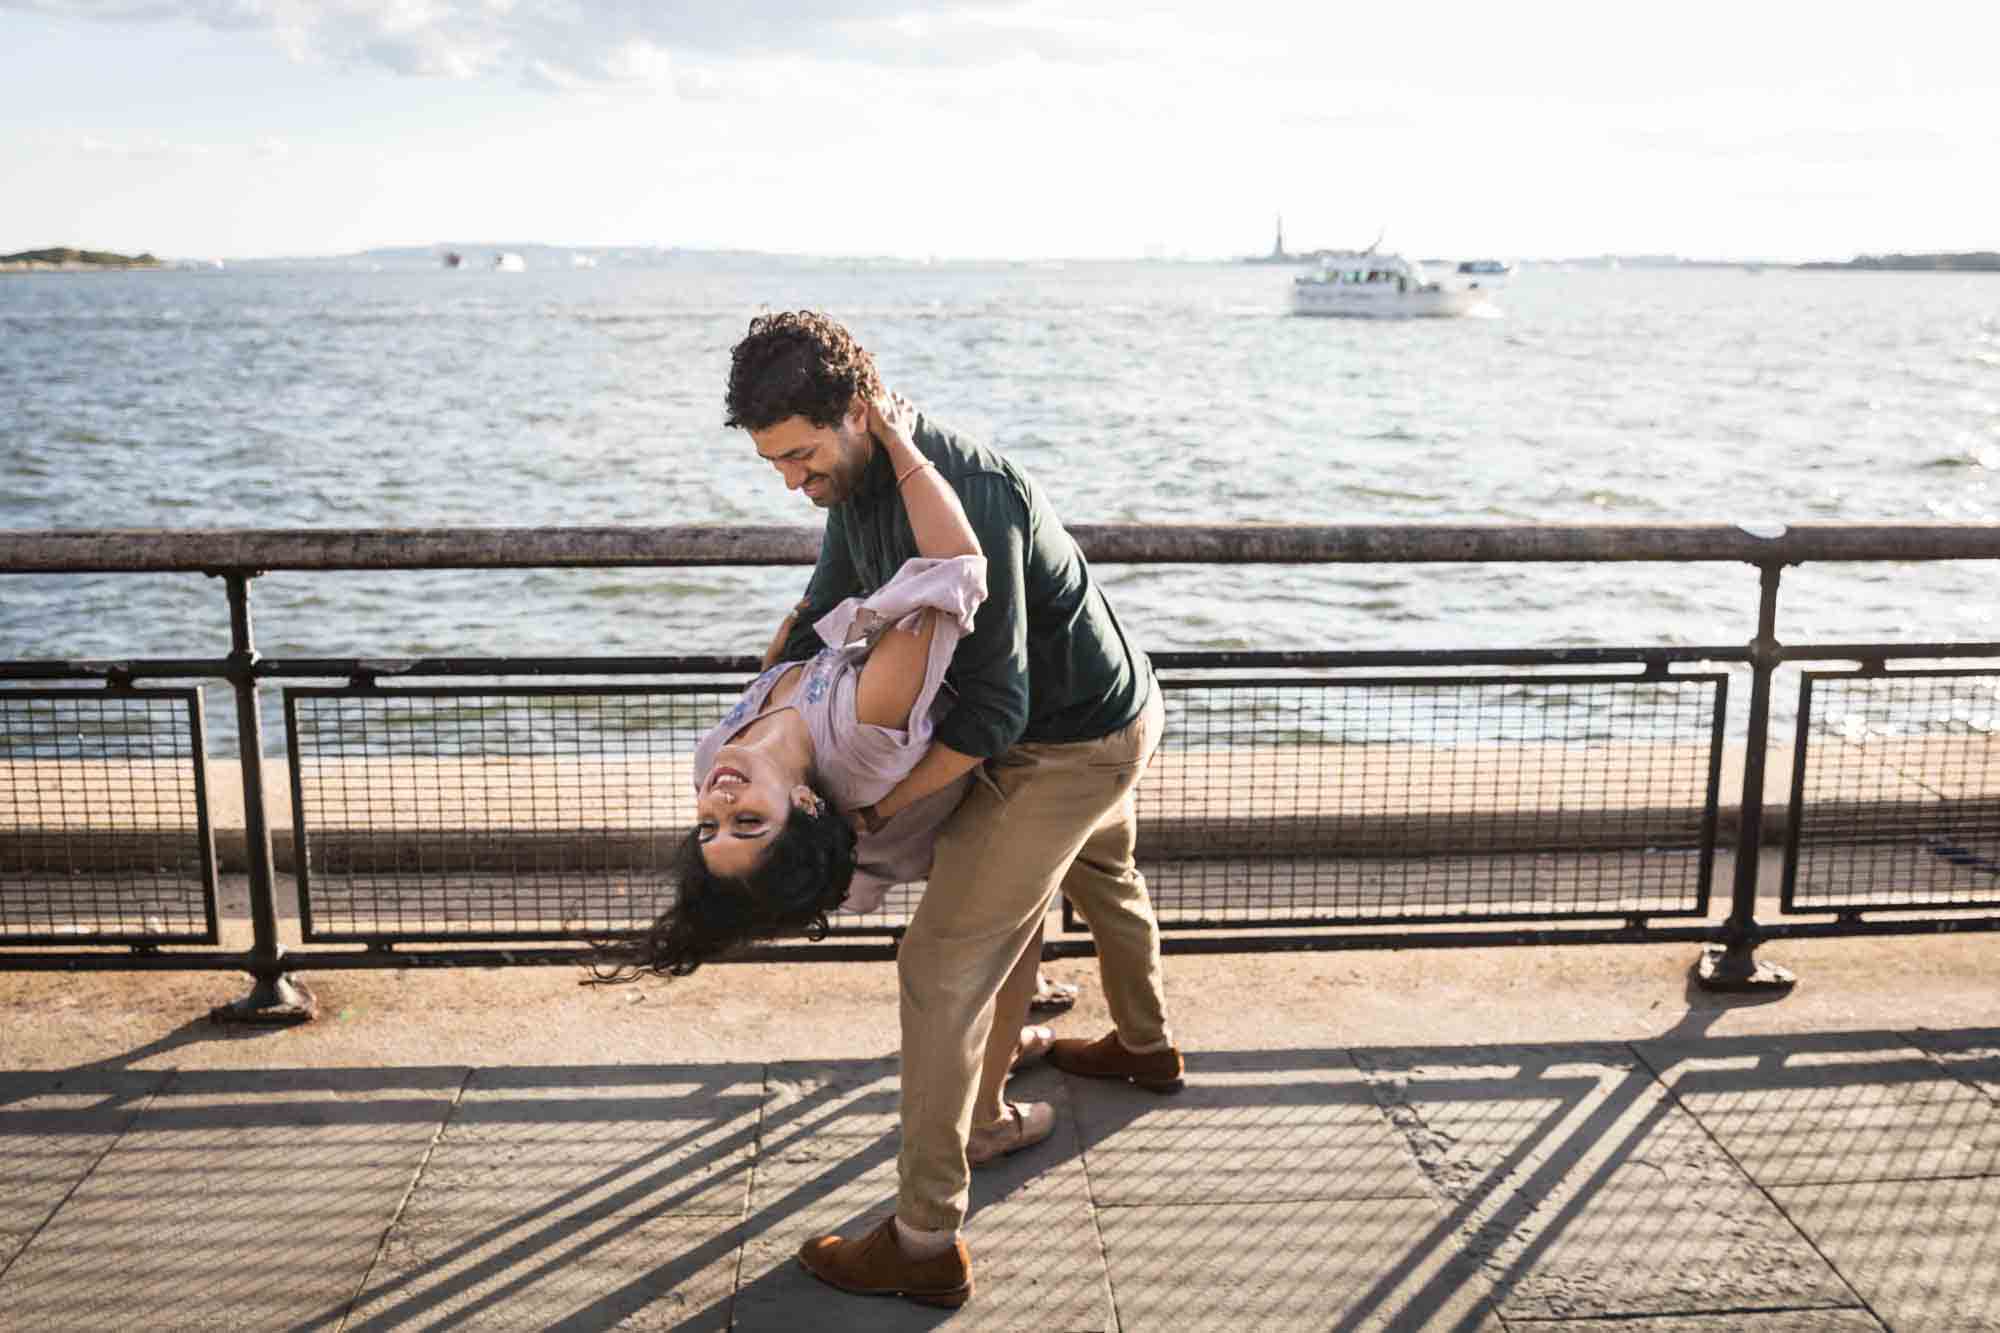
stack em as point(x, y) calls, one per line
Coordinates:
point(875, 1265)
point(1155, 1071)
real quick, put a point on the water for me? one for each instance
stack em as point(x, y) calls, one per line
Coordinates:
point(1135, 392)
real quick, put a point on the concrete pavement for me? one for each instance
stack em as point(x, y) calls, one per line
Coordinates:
point(1474, 1139)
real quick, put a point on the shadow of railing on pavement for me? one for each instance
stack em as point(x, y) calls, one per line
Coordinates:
point(1853, 1173)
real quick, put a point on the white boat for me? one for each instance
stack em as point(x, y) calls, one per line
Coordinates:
point(1369, 284)
point(509, 262)
point(1486, 271)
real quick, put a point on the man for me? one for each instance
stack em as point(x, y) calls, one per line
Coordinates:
point(1056, 715)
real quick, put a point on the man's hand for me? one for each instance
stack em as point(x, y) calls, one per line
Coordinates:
point(777, 644)
point(939, 768)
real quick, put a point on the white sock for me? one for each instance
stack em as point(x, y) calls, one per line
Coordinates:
point(1165, 1043)
point(920, 1244)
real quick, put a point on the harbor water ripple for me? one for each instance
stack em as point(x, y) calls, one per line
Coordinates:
point(1135, 392)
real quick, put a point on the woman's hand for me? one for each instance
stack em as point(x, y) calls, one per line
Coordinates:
point(892, 419)
point(937, 519)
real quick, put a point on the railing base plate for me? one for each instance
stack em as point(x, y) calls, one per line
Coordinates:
point(282, 1000)
point(1738, 971)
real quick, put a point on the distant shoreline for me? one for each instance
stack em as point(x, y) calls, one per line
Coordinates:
point(1976, 261)
point(70, 260)
point(66, 260)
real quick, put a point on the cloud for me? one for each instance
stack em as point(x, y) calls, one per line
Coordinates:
point(146, 148)
point(1361, 119)
point(157, 148)
point(1822, 145)
point(570, 45)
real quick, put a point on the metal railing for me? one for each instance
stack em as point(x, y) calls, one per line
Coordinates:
point(442, 812)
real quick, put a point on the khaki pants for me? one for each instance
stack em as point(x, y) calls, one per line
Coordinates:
point(1039, 819)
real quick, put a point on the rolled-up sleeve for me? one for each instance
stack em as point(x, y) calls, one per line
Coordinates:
point(989, 671)
point(833, 581)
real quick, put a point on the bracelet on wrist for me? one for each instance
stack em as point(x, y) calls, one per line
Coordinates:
point(912, 470)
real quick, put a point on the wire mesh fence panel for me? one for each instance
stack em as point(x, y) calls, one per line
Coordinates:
point(1895, 792)
point(104, 832)
point(491, 812)
point(1402, 799)
point(472, 813)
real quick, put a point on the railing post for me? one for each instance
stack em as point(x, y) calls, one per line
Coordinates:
point(1731, 964)
point(276, 997)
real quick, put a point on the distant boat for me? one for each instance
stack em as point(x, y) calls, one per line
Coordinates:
point(583, 261)
point(452, 259)
point(1365, 284)
point(1487, 270)
point(509, 262)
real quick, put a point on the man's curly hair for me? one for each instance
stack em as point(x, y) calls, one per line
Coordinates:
point(797, 363)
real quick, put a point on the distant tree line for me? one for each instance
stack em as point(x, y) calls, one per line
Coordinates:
point(1976, 261)
point(65, 255)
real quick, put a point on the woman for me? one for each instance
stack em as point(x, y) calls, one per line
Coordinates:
point(786, 783)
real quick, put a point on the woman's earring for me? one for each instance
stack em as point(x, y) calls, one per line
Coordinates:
point(808, 800)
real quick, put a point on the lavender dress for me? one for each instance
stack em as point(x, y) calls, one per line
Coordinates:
point(859, 763)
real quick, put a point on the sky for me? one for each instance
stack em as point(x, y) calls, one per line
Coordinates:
point(1047, 129)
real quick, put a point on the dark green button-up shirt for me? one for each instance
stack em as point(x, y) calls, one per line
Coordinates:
point(1047, 659)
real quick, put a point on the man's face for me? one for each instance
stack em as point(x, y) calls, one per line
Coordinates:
point(823, 461)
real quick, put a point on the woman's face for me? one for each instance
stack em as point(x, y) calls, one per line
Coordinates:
point(743, 805)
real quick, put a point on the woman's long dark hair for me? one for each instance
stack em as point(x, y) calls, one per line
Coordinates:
point(804, 875)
